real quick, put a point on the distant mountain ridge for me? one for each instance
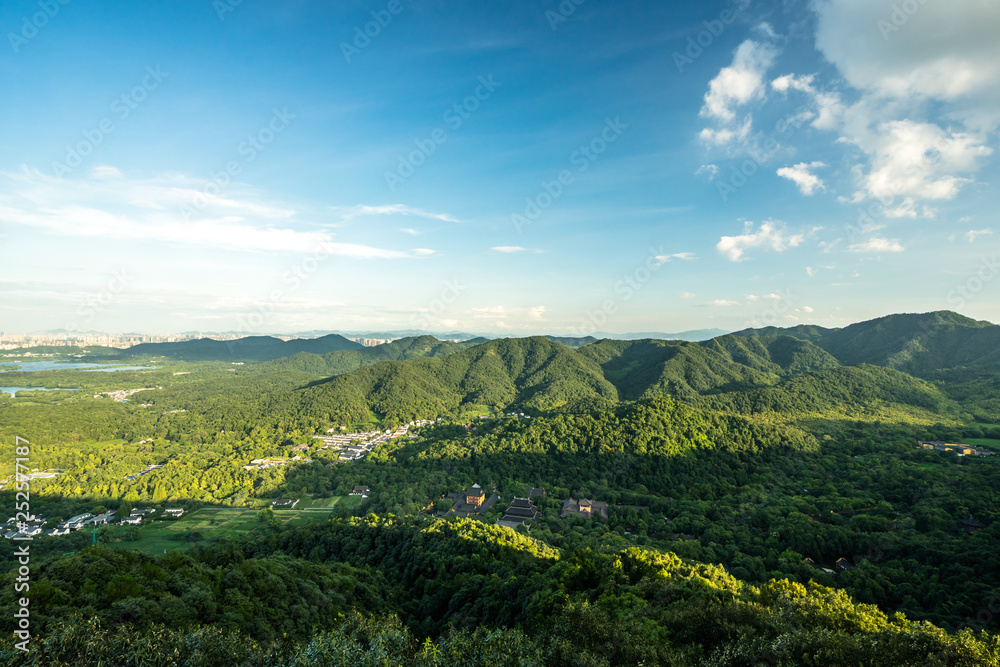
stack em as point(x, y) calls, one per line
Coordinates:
point(251, 348)
point(921, 344)
point(770, 370)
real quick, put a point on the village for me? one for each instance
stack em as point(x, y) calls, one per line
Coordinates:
point(122, 395)
point(354, 446)
point(958, 448)
point(35, 523)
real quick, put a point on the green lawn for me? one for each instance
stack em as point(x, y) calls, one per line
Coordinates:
point(988, 443)
point(216, 522)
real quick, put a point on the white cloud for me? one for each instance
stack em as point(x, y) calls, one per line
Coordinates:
point(753, 298)
point(808, 309)
point(770, 236)
point(918, 160)
point(740, 82)
point(972, 234)
point(926, 86)
point(508, 249)
point(711, 170)
point(361, 210)
point(877, 244)
point(800, 174)
point(721, 303)
point(666, 259)
point(734, 134)
point(536, 313)
point(943, 50)
point(408, 230)
point(810, 271)
point(422, 251)
point(687, 295)
point(107, 204)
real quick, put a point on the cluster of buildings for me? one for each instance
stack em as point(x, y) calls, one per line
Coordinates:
point(357, 445)
point(121, 341)
point(842, 564)
point(472, 502)
point(264, 464)
point(583, 508)
point(121, 395)
point(372, 342)
point(35, 523)
point(960, 449)
point(521, 510)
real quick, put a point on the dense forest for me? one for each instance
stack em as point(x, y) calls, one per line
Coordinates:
point(768, 502)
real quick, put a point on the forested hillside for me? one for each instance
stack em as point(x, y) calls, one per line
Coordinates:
point(250, 348)
point(342, 361)
point(766, 503)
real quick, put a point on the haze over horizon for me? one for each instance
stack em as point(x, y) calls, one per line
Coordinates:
point(524, 168)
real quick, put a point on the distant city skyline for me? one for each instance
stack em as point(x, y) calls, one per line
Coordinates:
point(514, 168)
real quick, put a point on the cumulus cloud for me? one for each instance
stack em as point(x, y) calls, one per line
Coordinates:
point(770, 236)
point(801, 174)
point(973, 234)
point(536, 313)
point(508, 249)
point(926, 88)
point(876, 245)
point(721, 303)
point(918, 160)
point(740, 82)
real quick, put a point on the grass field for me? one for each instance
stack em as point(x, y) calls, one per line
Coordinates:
point(211, 523)
point(988, 443)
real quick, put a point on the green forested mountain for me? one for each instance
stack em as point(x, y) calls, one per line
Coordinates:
point(656, 367)
point(851, 390)
point(919, 344)
point(532, 372)
point(775, 373)
point(487, 596)
point(809, 332)
point(250, 348)
point(343, 361)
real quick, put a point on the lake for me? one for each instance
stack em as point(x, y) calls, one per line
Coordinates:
point(14, 390)
point(29, 366)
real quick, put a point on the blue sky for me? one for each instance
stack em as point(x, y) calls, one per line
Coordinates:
point(510, 168)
